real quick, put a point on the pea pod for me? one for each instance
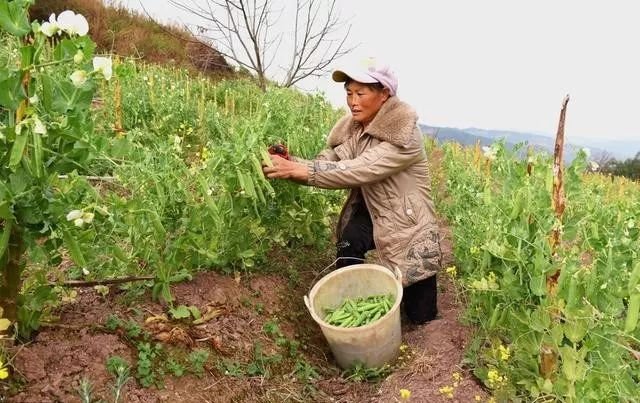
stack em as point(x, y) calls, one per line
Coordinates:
point(360, 311)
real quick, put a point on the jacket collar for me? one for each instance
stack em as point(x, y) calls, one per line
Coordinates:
point(394, 123)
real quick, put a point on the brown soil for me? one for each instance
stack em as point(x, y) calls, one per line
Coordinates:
point(50, 368)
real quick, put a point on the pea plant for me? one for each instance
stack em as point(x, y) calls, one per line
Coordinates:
point(560, 326)
point(48, 76)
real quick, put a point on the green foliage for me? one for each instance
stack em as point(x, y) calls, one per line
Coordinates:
point(197, 360)
point(359, 372)
point(146, 371)
point(174, 367)
point(180, 190)
point(583, 329)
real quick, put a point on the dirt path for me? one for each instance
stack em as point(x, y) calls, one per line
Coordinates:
point(261, 343)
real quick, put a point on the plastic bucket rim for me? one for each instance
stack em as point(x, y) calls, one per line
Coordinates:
point(354, 267)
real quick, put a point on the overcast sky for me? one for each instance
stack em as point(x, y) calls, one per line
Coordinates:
point(496, 64)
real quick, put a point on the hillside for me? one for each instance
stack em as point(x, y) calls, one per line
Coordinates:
point(471, 136)
point(118, 30)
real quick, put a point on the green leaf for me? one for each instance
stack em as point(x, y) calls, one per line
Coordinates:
point(11, 92)
point(5, 210)
point(66, 49)
point(13, 17)
point(195, 312)
point(180, 312)
point(4, 324)
point(573, 365)
point(26, 54)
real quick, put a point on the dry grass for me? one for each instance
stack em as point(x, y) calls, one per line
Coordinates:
point(118, 30)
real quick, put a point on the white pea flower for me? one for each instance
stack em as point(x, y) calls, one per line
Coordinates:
point(490, 152)
point(586, 152)
point(631, 223)
point(51, 27)
point(38, 126)
point(74, 215)
point(87, 217)
point(78, 222)
point(85, 271)
point(594, 166)
point(103, 65)
point(78, 57)
point(34, 99)
point(72, 23)
point(78, 78)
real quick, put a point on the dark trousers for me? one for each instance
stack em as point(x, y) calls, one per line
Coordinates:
point(419, 299)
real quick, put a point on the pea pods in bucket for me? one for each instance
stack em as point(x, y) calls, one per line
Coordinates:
point(378, 342)
point(359, 311)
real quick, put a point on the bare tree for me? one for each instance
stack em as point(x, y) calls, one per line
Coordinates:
point(603, 160)
point(244, 31)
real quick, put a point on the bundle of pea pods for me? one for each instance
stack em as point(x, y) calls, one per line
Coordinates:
point(359, 311)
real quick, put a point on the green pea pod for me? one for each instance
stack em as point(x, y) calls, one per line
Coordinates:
point(37, 155)
point(634, 277)
point(74, 249)
point(632, 313)
point(18, 149)
point(4, 240)
point(161, 233)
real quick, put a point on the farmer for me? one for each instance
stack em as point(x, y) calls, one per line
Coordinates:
point(377, 151)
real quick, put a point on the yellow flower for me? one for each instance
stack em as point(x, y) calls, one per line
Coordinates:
point(504, 352)
point(477, 398)
point(452, 271)
point(4, 371)
point(495, 379)
point(405, 394)
point(447, 391)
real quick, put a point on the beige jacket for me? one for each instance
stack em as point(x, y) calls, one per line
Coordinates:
point(388, 164)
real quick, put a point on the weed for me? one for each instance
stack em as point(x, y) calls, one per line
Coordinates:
point(113, 322)
point(133, 329)
point(147, 354)
point(304, 372)
point(175, 367)
point(261, 362)
point(359, 373)
point(122, 377)
point(197, 359)
point(85, 389)
point(230, 368)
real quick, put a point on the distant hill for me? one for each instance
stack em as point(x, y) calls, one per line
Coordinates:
point(470, 136)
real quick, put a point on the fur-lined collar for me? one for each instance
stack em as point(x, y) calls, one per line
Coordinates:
point(394, 123)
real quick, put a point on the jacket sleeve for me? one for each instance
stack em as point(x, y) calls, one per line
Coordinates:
point(328, 154)
point(375, 164)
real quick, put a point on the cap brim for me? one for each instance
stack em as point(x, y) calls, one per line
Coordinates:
point(340, 76)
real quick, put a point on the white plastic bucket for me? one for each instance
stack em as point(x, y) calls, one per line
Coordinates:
point(374, 344)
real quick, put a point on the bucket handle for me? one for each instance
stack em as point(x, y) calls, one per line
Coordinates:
point(396, 271)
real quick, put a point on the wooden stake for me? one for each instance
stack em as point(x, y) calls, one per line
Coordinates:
point(120, 280)
point(558, 200)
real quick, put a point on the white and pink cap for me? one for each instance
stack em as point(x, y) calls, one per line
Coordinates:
point(369, 72)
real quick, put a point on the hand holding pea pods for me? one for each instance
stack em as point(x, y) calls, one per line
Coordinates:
point(360, 311)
